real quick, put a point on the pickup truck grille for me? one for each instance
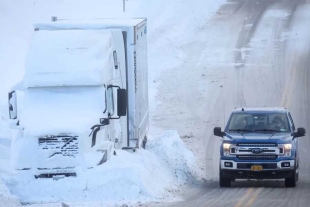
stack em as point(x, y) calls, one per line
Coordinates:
point(64, 145)
point(257, 144)
point(257, 157)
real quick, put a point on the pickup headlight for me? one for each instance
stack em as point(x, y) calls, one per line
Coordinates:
point(226, 146)
point(287, 150)
point(226, 149)
point(288, 146)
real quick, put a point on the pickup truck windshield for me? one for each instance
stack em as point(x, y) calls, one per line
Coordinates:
point(255, 122)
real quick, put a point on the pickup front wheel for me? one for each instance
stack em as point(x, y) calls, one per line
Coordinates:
point(291, 182)
point(224, 182)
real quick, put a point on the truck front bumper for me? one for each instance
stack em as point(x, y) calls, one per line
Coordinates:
point(270, 170)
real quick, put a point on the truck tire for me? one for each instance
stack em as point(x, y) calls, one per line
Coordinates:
point(291, 182)
point(224, 182)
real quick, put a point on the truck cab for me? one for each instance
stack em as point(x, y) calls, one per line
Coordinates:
point(84, 95)
point(259, 143)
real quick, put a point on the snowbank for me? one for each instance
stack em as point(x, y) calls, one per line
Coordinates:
point(9, 201)
point(173, 152)
point(6, 199)
point(5, 141)
point(145, 175)
point(4, 128)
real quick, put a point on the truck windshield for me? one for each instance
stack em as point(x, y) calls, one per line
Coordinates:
point(255, 122)
point(55, 110)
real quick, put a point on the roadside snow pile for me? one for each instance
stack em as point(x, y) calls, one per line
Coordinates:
point(173, 152)
point(145, 175)
point(5, 142)
point(4, 128)
point(9, 201)
point(6, 199)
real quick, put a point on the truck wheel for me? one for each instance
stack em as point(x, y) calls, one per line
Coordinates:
point(224, 182)
point(291, 182)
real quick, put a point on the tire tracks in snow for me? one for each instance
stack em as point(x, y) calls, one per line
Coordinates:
point(245, 35)
point(249, 26)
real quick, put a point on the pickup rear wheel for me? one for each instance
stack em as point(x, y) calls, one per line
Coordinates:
point(224, 182)
point(291, 182)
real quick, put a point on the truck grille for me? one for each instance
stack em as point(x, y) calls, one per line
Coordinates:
point(257, 157)
point(65, 145)
point(257, 144)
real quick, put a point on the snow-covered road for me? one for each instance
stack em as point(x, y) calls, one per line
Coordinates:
point(251, 53)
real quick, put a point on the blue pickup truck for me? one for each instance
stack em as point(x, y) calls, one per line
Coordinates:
point(259, 143)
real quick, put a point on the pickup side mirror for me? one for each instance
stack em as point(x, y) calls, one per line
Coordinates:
point(121, 102)
point(12, 102)
point(300, 133)
point(218, 132)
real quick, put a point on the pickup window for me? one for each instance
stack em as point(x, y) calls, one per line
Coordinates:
point(276, 122)
point(290, 117)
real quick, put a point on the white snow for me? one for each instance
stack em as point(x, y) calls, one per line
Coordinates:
point(169, 148)
point(155, 173)
point(6, 199)
point(145, 175)
point(72, 57)
point(63, 103)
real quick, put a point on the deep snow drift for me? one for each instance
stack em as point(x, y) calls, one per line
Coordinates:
point(145, 175)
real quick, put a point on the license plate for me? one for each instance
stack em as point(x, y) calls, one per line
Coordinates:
point(256, 168)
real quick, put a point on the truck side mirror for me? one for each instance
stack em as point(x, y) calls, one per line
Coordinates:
point(300, 132)
point(104, 121)
point(218, 132)
point(121, 102)
point(12, 101)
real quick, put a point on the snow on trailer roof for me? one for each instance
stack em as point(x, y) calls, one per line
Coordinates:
point(69, 58)
point(260, 109)
point(90, 24)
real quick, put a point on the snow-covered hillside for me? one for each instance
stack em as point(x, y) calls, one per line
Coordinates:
point(155, 173)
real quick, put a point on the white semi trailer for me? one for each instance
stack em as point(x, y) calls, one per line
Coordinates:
point(84, 94)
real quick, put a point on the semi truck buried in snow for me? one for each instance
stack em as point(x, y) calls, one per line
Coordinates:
point(84, 94)
point(259, 143)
